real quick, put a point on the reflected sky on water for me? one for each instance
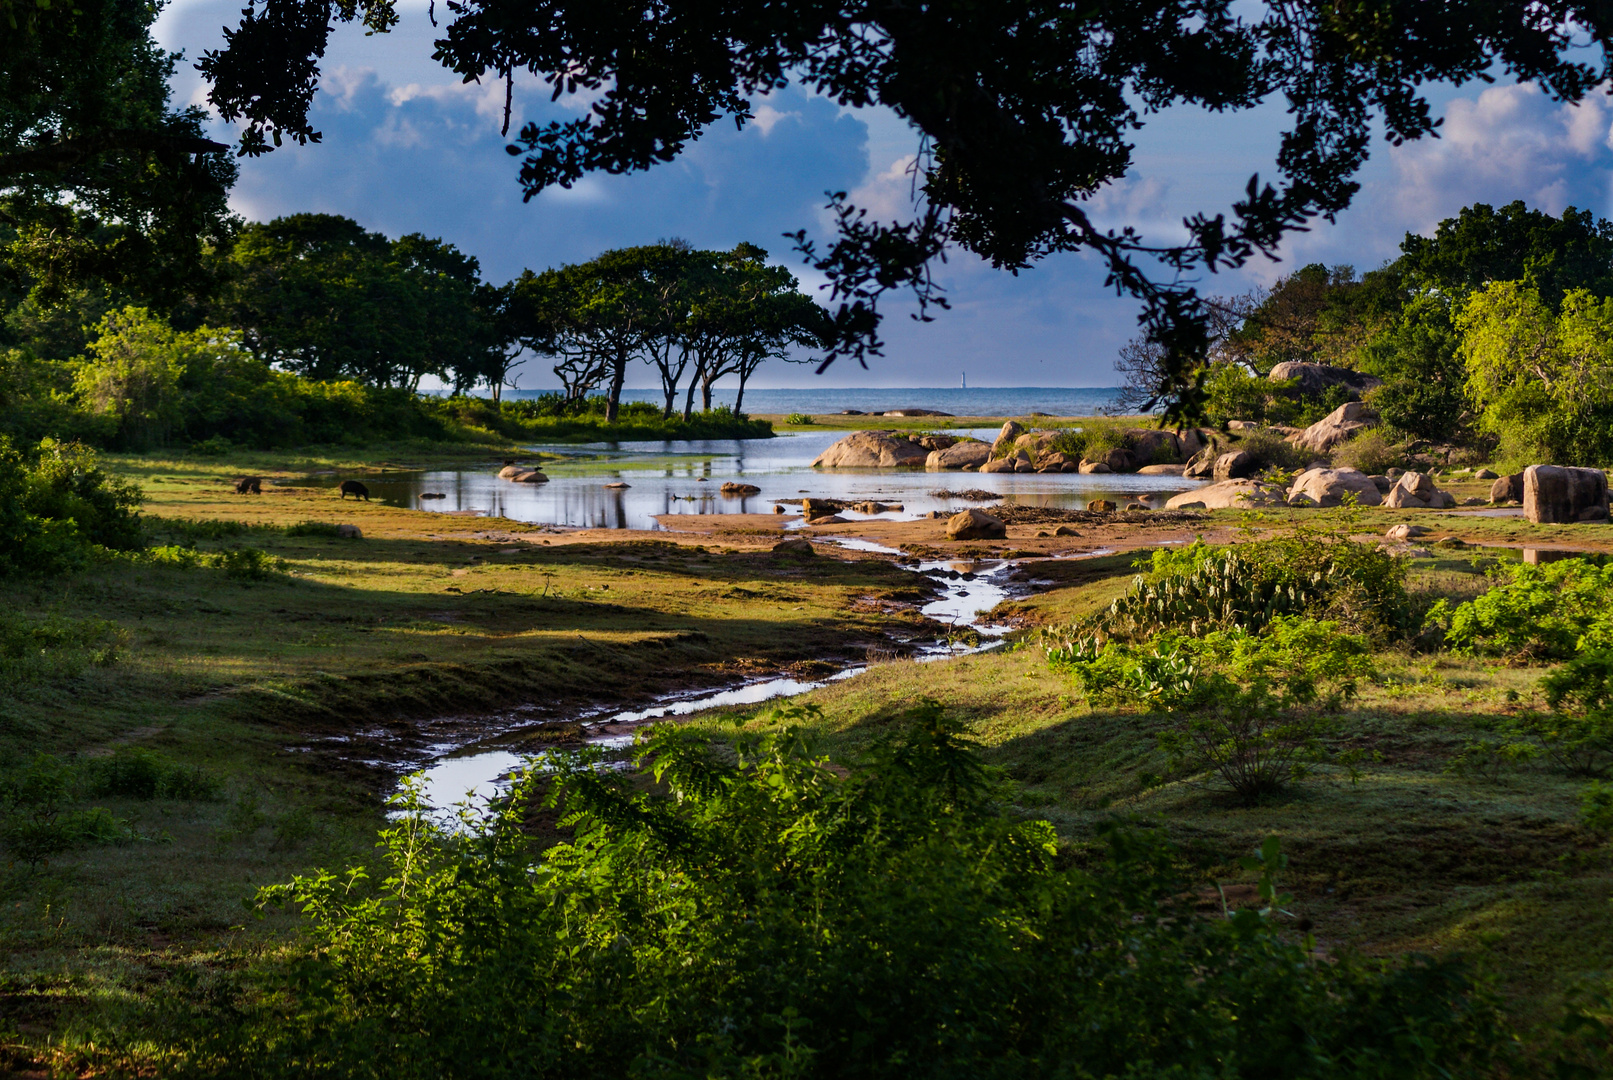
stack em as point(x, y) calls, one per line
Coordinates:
point(685, 477)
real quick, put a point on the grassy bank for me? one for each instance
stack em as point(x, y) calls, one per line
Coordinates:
point(297, 687)
point(1413, 854)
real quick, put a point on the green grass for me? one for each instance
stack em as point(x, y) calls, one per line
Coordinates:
point(1406, 857)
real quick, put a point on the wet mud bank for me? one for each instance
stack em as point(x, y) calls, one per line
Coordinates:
point(472, 756)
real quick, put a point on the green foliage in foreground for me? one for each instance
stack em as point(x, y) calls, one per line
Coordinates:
point(57, 506)
point(756, 912)
point(1311, 571)
point(1252, 709)
point(1537, 613)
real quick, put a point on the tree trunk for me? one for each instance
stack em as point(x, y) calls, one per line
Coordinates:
point(705, 393)
point(618, 375)
point(688, 403)
point(739, 398)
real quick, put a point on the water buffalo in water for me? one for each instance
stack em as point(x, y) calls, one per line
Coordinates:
point(253, 484)
point(355, 489)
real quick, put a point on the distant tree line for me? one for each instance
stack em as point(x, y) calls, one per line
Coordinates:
point(309, 327)
point(1495, 333)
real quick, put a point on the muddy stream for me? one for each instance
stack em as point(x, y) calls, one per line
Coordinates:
point(968, 590)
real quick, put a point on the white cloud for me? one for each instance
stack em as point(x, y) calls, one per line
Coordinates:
point(767, 118)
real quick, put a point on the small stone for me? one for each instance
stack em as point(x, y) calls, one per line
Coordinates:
point(349, 532)
point(1486, 474)
point(795, 545)
point(1065, 530)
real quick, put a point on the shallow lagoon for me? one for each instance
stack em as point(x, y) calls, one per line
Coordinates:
point(685, 478)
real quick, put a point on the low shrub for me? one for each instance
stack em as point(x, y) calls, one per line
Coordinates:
point(1311, 571)
point(1533, 613)
point(1371, 453)
point(191, 530)
point(243, 564)
point(1250, 707)
point(314, 528)
point(1596, 807)
point(755, 911)
point(142, 774)
point(44, 649)
point(800, 419)
point(35, 822)
point(57, 507)
point(1273, 451)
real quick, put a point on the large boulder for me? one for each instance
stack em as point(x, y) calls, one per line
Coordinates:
point(731, 488)
point(1228, 494)
point(1151, 445)
point(1416, 491)
point(1507, 489)
point(1091, 468)
point(1000, 465)
point(1023, 462)
point(1202, 465)
point(795, 545)
point(1162, 470)
point(975, 525)
point(1340, 425)
point(529, 476)
point(1328, 487)
point(872, 450)
point(1554, 493)
point(1316, 379)
point(1005, 438)
point(1118, 460)
point(962, 455)
point(1235, 465)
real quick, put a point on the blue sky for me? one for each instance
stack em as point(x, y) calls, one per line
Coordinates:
point(408, 149)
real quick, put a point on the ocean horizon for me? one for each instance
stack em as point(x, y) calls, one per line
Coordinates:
point(959, 401)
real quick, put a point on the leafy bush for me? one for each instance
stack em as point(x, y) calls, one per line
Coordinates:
point(757, 912)
point(1578, 732)
point(1310, 572)
point(800, 419)
point(1371, 453)
point(1488, 758)
point(1535, 613)
point(1249, 707)
point(57, 507)
point(1596, 807)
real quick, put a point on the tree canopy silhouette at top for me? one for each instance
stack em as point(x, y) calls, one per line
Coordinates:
point(1022, 110)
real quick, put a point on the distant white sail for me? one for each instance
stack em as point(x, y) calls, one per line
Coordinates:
point(965, 383)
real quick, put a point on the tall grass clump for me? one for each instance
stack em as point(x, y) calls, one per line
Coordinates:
point(757, 911)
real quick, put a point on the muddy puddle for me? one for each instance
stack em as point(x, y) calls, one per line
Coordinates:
point(965, 591)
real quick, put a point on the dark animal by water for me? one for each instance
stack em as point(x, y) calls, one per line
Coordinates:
point(252, 484)
point(355, 489)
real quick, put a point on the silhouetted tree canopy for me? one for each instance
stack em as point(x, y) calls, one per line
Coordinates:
point(101, 180)
point(1023, 109)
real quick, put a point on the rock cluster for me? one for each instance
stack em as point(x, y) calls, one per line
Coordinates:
point(1416, 491)
point(1316, 379)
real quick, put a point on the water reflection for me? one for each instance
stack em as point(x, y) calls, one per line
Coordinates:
point(686, 478)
